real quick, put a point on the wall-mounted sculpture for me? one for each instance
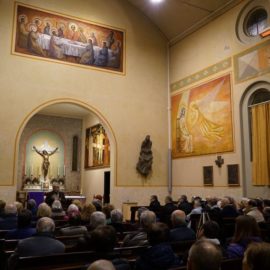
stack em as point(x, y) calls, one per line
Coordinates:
point(144, 165)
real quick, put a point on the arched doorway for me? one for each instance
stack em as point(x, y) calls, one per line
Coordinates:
point(89, 182)
point(255, 94)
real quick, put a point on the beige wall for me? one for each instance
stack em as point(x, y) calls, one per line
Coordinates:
point(211, 44)
point(134, 105)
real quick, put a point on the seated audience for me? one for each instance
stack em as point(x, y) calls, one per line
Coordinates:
point(72, 210)
point(246, 232)
point(180, 231)
point(160, 255)
point(57, 210)
point(44, 210)
point(106, 209)
point(55, 194)
point(117, 220)
point(8, 221)
point(19, 206)
point(2, 208)
point(97, 202)
point(101, 265)
point(184, 205)
point(41, 244)
point(253, 211)
point(228, 209)
point(154, 205)
point(97, 218)
point(32, 206)
point(197, 208)
point(257, 257)
point(103, 240)
point(74, 226)
point(86, 213)
point(139, 238)
point(168, 208)
point(204, 255)
point(24, 228)
point(78, 203)
point(266, 210)
point(210, 231)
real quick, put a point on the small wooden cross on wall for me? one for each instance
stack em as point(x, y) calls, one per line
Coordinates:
point(219, 161)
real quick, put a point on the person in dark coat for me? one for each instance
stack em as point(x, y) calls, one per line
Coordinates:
point(180, 231)
point(55, 194)
point(103, 240)
point(167, 210)
point(8, 221)
point(184, 205)
point(41, 244)
point(154, 205)
point(24, 229)
point(159, 256)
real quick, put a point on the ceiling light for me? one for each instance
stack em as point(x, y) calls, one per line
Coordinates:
point(156, 1)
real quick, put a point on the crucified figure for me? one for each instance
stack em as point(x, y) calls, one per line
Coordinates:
point(46, 163)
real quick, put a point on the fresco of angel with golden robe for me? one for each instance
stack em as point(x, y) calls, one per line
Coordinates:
point(202, 119)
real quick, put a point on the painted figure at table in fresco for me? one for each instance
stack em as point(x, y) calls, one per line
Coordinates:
point(23, 33)
point(87, 57)
point(94, 39)
point(110, 39)
point(114, 60)
point(47, 29)
point(72, 32)
point(38, 23)
point(46, 163)
point(32, 42)
point(102, 59)
point(82, 38)
point(55, 49)
point(60, 31)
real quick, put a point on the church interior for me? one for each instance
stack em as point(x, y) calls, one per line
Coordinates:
point(189, 82)
point(135, 130)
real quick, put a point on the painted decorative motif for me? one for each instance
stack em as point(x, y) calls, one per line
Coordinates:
point(202, 119)
point(46, 35)
point(253, 62)
point(202, 74)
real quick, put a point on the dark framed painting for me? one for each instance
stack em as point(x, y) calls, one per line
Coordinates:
point(61, 38)
point(97, 148)
point(233, 175)
point(208, 175)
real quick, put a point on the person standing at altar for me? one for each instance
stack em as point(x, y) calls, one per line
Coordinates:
point(55, 194)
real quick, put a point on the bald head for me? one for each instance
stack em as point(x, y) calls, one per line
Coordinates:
point(101, 265)
point(204, 255)
point(178, 217)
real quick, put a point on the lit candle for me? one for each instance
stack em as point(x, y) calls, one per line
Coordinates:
point(25, 170)
point(64, 170)
point(58, 170)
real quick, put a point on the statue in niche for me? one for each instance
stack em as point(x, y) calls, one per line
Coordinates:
point(46, 163)
point(144, 165)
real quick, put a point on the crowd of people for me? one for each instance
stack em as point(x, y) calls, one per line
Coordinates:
point(100, 228)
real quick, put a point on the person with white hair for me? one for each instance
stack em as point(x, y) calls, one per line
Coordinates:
point(180, 231)
point(97, 218)
point(41, 244)
point(8, 220)
point(117, 220)
point(139, 238)
point(101, 265)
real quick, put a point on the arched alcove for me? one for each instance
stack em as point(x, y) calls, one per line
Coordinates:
point(256, 93)
point(68, 108)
